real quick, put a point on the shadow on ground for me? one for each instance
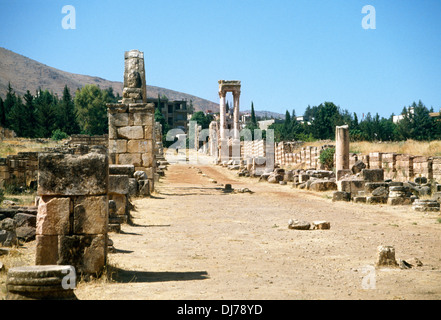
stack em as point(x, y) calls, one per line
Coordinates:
point(128, 276)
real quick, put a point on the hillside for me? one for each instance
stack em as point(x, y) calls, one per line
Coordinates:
point(27, 74)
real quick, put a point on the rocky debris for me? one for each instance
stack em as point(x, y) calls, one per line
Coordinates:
point(426, 205)
point(8, 236)
point(244, 190)
point(298, 225)
point(386, 256)
point(51, 282)
point(321, 225)
point(322, 185)
point(341, 196)
point(358, 167)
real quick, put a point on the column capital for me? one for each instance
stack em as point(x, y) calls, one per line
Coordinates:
point(222, 94)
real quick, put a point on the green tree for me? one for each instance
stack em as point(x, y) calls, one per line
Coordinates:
point(202, 119)
point(66, 115)
point(90, 106)
point(46, 105)
point(8, 104)
point(253, 115)
point(30, 116)
point(16, 118)
point(2, 113)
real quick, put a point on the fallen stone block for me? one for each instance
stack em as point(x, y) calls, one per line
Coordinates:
point(298, 225)
point(321, 225)
point(386, 257)
point(372, 175)
point(322, 185)
point(376, 200)
point(341, 196)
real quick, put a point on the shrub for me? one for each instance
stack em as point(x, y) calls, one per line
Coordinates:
point(59, 135)
point(327, 158)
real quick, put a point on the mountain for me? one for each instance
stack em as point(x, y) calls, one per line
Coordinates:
point(27, 74)
point(266, 114)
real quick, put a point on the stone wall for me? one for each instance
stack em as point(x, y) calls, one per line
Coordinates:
point(19, 170)
point(131, 138)
point(84, 139)
point(72, 216)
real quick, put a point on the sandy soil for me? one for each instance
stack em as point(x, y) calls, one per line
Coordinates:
point(194, 241)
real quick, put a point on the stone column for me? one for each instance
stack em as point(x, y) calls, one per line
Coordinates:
point(72, 218)
point(236, 98)
point(222, 106)
point(341, 149)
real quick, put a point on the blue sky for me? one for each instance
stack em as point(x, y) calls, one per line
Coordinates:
point(288, 54)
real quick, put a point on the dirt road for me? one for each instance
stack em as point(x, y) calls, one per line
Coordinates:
point(194, 241)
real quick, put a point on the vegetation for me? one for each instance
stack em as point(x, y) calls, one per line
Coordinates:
point(320, 122)
point(44, 115)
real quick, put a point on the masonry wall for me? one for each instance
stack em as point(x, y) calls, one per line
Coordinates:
point(131, 137)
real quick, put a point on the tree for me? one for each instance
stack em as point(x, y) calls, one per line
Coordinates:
point(45, 104)
point(16, 118)
point(253, 115)
point(2, 113)
point(202, 119)
point(8, 104)
point(30, 116)
point(66, 115)
point(326, 118)
point(90, 107)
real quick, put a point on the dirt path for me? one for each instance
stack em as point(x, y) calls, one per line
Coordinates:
point(193, 241)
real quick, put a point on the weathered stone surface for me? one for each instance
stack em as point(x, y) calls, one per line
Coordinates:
point(52, 282)
point(275, 178)
point(352, 186)
point(359, 199)
point(397, 201)
point(131, 133)
point(118, 146)
point(380, 191)
point(139, 146)
point(376, 200)
point(25, 226)
point(371, 186)
point(298, 225)
point(358, 166)
point(133, 187)
point(386, 256)
point(341, 196)
point(322, 185)
point(120, 169)
point(91, 215)
point(321, 225)
point(87, 253)
point(53, 216)
point(130, 158)
point(119, 184)
point(119, 119)
point(67, 174)
point(46, 250)
point(373, 175)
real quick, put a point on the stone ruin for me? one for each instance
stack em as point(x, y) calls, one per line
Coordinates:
point(84, 187)
point(72, 218)
point(132, 122)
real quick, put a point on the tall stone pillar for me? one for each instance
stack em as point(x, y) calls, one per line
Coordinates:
point(222, 106)
point(341, 150)
point(236, 98)
point(132, 122)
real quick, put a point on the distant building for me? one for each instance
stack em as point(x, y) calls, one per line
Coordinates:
point(174, 112)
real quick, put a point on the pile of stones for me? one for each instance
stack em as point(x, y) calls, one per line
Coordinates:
point(17, 225)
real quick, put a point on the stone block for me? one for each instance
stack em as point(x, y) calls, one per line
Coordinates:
point(376, 200)
point(321, 225)
point(121, 169)
point(342, 173)
point(118, 119)
point(121, 204)
point(131, 133)
point(118, 146)
point(91, 215)
point(87, 253)
point(119, 184)
point(341, 196)
point(386, 256)
point(323, 185)
point(53, 216)
point(68, 174)
point(371, 186)
point(139, 146)
point(373, 175)
point(46, 250)
point(130, 158)
point(350, 185)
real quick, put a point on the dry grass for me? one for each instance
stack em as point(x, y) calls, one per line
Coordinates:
point(14, 146)
point(411, 147)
